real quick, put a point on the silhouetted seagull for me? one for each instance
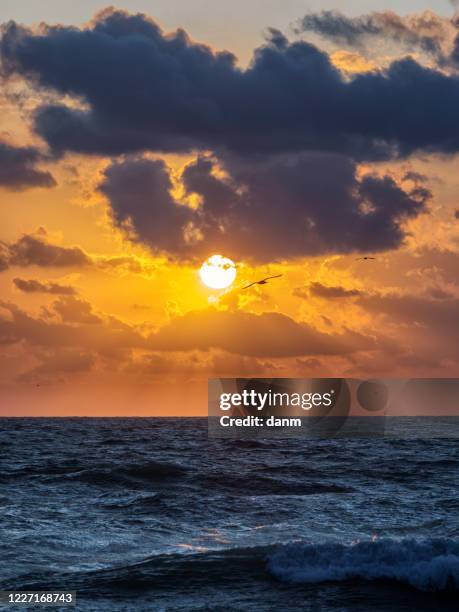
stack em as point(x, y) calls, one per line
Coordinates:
point(263, 281)
point(365, 259)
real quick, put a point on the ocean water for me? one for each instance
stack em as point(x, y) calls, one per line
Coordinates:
point(149, 514)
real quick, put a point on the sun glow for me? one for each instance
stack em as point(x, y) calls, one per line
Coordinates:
point(218, 272)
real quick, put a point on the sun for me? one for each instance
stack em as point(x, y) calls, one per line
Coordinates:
point(218, 272)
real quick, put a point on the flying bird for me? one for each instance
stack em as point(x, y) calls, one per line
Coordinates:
point(365, 259)
point(263, 281)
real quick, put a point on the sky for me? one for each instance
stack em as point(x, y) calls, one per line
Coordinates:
point(295, 138)
point(236, 25)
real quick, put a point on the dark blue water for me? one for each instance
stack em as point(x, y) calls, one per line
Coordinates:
point(148, 514)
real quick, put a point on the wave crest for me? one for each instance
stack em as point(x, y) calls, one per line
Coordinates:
point(427, 565)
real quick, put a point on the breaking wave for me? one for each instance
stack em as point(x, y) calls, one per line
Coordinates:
point(431, 565)
point(427, 565)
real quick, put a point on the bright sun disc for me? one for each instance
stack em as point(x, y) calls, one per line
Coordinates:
point(218, 272)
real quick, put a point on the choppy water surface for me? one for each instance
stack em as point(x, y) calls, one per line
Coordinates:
point(148, 514)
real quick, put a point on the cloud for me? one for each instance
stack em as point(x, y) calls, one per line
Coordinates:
point(332, 292)
point(36, 286)
point(139, 192)
point(4, 257)
point(430, 324)
point(55, 364)
point(35, 250)
point(441, 262)
point(261, 210)
point(426, 31)
point(149, 366)
point(270, 334)
point(109, 337)
point(266, 335)
point(416, 309)
point(455, 53)
point(75, 310)
point(412, 269)
point(18, 168)
point(170, 94)
point(126, 263)
point(437, 293)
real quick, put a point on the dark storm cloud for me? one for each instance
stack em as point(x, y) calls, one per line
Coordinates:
point(139, 192)
point(425, 31)
point(261, 210)
point(36, 286)
point(18, 168)
point(148, 90)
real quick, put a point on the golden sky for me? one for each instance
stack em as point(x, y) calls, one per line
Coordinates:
point(102, 234)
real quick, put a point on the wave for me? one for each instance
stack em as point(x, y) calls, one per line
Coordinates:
point(261, 486)
point(430, 565)
point(113, 442)
point(164, 570)
point(427, 565)
point(133, 502)
point(129, 473)
point(154, 469)
point(102, 475)
point(99, 474)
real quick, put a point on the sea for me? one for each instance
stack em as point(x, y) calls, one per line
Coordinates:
point(137, 514)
